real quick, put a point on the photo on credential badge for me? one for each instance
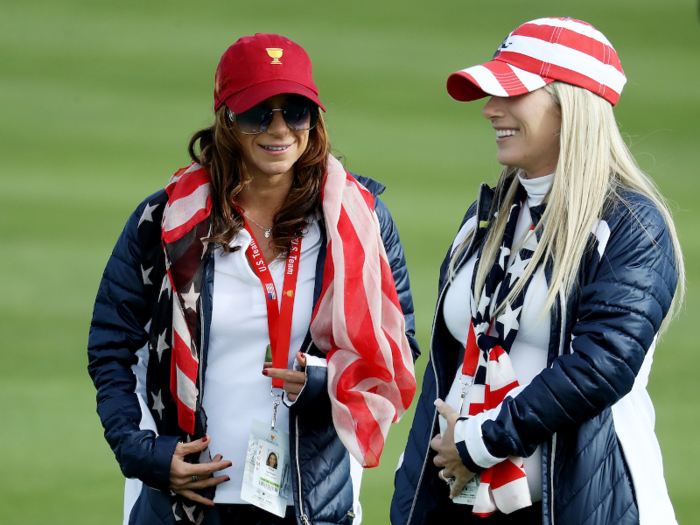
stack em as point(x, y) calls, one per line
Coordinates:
point(267, 475)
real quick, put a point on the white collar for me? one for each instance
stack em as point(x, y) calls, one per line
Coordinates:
point(536, 188)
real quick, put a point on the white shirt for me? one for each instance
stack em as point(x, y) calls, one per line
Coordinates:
point(235, 391)
point(530, 347)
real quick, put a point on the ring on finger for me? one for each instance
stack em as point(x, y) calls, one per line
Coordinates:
point(441, 475)
point(194, 478)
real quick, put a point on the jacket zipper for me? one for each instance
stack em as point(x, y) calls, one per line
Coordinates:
point(562, 323)
point(302, 515)
point(437, 386)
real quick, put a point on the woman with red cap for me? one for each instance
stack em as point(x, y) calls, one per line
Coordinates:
point(552, 297)
point(263, 255)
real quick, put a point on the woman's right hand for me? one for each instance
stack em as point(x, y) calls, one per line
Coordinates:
point(182, 474)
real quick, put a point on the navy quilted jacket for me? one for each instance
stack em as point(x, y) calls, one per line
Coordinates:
point(598, 342)
point(321, 481)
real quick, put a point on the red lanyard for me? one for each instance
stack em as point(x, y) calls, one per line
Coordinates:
point(279, 320)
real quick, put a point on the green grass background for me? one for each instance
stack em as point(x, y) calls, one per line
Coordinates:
point(98, 100)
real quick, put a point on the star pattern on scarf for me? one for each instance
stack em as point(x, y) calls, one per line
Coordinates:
point(509, 319)
point(177, 517)
point(158, 403)
point(190, 511)
point(483, 304)
point(162, 345)
point(505, 252)
point(144, 275)
point(147, 215)
point(190, 298)
point(518, 267)
point(166, 287)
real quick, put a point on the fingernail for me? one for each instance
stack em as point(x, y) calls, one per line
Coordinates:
point(204, 439)
point(228, 479)
point(265, 372)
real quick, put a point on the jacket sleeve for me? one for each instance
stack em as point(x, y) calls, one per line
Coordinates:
point(116, 333)
point(397, 261)
point(627, 294)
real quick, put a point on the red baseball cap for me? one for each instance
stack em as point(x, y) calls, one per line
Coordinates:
point(539, 52)
point(258, 67)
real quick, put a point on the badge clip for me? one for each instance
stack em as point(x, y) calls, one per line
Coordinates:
point(465, 388)
point(275, 404)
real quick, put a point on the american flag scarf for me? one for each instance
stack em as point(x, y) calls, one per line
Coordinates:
point(358, 322)
point(503, 487)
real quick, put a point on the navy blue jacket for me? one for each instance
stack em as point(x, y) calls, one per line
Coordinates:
point(321, 480)
point(598, 341)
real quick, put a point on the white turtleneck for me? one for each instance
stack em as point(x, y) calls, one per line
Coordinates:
point(529, 351)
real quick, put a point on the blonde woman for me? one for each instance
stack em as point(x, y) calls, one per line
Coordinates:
point(551, 301)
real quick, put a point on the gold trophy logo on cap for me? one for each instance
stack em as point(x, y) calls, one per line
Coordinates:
point(275, 54)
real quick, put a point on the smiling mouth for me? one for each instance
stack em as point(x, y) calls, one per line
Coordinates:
point(502, 133)
point(275, 148)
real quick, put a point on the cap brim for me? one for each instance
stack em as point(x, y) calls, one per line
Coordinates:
point(254, 95)
point(496, 78)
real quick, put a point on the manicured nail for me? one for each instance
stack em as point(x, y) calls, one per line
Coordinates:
point(204, 439)
point(265, 372)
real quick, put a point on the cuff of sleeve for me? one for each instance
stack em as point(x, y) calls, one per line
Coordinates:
point(158, 476)
point(315, 385)
point(470, 444)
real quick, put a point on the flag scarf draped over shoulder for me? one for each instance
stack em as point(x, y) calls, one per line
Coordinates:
point(357, 322)
point(185, 224)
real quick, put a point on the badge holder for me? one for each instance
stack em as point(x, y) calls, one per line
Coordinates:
point(267, 474)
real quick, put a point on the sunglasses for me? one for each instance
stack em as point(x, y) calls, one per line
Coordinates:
point(298, 115)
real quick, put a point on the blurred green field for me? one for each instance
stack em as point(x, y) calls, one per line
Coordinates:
point(98, 100)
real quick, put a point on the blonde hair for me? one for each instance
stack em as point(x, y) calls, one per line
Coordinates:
point(594, 168)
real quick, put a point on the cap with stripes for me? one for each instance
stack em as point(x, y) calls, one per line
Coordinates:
point(539, 52)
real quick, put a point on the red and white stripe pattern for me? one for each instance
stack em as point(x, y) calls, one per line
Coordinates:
point(502, 487)
point(358, 322)
point(540, 52)
point(500, 379)
point(189, 205)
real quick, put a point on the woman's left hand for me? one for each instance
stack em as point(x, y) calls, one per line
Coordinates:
point(293, 380)
point(447, 455)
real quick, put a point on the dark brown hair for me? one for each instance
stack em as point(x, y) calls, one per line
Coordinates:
point(221, 152)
